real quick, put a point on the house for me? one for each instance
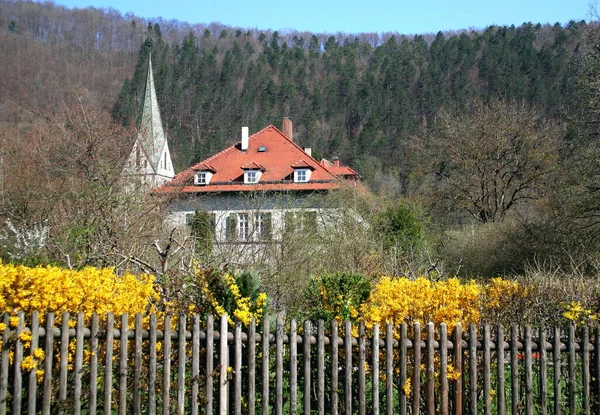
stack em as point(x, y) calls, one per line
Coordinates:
point(258, 187)
point(254, 190)
point(149, 164)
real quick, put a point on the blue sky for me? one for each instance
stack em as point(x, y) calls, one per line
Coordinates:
point(352, 16)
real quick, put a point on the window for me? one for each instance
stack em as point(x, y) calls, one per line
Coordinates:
point(301, 175)
point(244, 228)
point(231, 227)
point(301, 221)
point(262, 226)
point(251, 176)
point(202, 178)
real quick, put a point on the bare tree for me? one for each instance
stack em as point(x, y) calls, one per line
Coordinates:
point(489, 160)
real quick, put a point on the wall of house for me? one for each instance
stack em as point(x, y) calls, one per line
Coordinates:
point(275, 205)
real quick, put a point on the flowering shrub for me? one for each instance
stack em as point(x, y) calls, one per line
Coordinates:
point(397, 300)
point(88, 290)
point(235, 296)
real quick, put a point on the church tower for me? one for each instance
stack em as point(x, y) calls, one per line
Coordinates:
point(150, 159)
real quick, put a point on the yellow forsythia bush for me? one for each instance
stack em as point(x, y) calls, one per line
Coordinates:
point(398, 300)
point(87, 290)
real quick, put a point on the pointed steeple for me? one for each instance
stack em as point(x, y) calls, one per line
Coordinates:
point(150, 158)
point(152, 134)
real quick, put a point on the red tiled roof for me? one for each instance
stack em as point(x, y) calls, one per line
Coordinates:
point(339, 170)
point(302, 164)
point(276, 159)
point(253, 166)
point(203, 167)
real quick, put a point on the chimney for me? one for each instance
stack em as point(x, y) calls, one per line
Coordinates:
point(336, 161)
point(288, 128)
point(308, 151)
point(244, 138)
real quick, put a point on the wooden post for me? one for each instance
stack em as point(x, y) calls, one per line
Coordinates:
point(293, 366)
point(389, 369)
point(443, 369)
point(93, 363)
point(123, 365)
point(320, 368)
point(166, 380)
point(32, 386)
point(210, 355)
point(49, 352)
point(108, 369)
point(64, 362)
point(18, 359)
point(334, 368)
point(306, 356)
point(278, 366)
point(500, 394)
point(265, 364)
point(348, 367)
point(195, 363)
point(362, 390)
point(252, 367)
point(224, 365)
point(543, 379)
point(416, 379)
point(77, 368)
point(181, 360)
point(375, 369)
point(457, 404)
point(403, 367)
point(430, 370)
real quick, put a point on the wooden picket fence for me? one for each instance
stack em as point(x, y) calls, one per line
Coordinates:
point(111, 367)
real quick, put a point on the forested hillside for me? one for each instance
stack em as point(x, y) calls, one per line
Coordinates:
point(351, 98)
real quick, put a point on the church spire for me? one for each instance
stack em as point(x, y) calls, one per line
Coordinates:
point(151, 130)
point(150, 157)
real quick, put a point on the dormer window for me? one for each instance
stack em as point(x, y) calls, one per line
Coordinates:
point(252, 172)
point(301, 175)
point(202, 174)
point(302, 171)
point(251, 176)
point(202, 178)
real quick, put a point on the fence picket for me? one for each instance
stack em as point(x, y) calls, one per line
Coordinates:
point(210, 353)
point(585, 368)
point(430, 370)
point(375, 370)
point(166, 380)
point(293, 367)
point(123, 365)
point(108, 372)
point(32, 385)
point(457, 404)
point(389, 369)
point(500, 393)
point(487, 368)
point(306, 356)
point(514, 369)
point(473, 368)
point(543, 378)
point(18, 359)
point(362, 389)
point(556, 363)
point(181, 361)
point(195, 364)
point(279, 366)
point(416, 379)
point(443, 369)
point(571, 369)
point(93, 363)
point(64, 362)
point(265, 365)
point(252, 367)
point(348, 367)
point(78, 365)
point(334, 368)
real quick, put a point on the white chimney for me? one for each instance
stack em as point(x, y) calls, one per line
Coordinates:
point(308, 151)
point(244, 138)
